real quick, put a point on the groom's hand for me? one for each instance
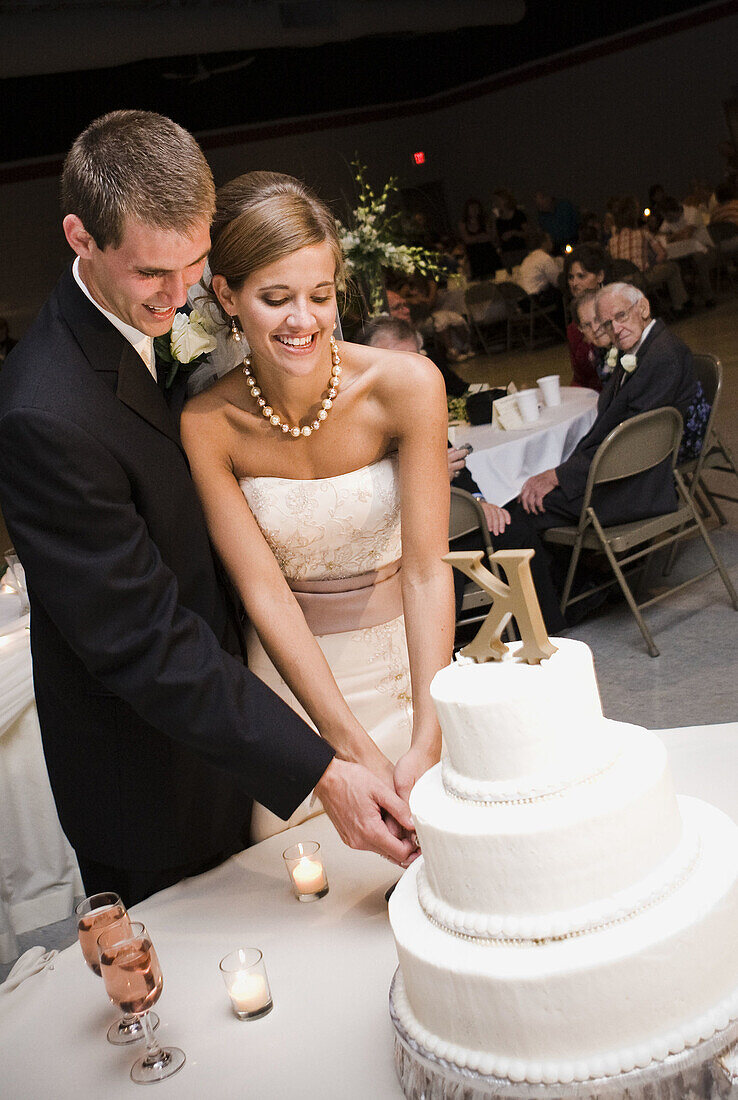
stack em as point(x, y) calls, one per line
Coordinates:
point(366, 812)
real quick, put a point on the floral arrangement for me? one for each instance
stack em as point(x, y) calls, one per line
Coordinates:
point(456, 408)
point(187, 343)
point(373, 241)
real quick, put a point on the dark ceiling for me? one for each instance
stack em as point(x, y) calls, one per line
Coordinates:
point(40, 115)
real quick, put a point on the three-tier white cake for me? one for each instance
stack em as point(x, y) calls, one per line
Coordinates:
point(570, 917)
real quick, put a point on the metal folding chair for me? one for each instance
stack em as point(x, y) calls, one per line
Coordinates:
point(636, 445)
point(524, 311)
point(476, 298)
point(715, 455)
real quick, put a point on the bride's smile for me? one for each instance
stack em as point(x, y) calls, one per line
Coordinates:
point(287, 310)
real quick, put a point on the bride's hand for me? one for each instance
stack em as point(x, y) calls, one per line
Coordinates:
point(411, 766)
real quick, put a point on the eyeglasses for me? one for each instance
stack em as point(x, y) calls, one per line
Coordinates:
point(591, 326)
point(619, 317)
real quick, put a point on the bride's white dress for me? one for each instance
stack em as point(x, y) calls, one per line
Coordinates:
point(338, 544)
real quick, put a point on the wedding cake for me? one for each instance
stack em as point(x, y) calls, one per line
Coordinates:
point(570, 917)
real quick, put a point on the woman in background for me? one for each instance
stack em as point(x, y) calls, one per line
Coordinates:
point(585, 269)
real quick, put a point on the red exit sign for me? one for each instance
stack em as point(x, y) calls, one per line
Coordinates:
point(419, 157)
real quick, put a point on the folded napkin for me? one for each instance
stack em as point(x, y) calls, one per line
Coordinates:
point(32, 961)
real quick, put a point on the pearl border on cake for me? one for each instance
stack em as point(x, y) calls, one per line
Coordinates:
point(511, 931)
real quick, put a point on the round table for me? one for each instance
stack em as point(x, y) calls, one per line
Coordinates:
point(39, 877)
point(330, 965)
point(502, 461)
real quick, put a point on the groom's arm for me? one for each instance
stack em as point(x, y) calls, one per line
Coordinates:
point(92, 564)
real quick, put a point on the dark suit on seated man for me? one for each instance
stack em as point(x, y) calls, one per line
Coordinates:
point(655, 369)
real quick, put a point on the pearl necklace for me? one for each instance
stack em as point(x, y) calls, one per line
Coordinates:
point(326, 403)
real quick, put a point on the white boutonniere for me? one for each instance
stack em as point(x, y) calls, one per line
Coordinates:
point(629, 363)
point(186, 344)
point(612, 357)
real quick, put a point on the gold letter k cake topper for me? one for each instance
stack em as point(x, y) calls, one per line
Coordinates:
point(517, 600)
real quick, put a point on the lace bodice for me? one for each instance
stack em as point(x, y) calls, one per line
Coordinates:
point(330, 527)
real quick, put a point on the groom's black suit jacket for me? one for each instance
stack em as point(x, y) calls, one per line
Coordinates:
point(664, 375)
point(156, 738)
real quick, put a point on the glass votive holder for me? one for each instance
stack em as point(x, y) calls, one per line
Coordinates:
point(246, 980)
point(306, 870)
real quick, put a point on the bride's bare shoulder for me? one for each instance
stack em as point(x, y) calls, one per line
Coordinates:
point(395, 374)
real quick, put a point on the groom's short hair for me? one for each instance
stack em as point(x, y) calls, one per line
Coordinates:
point(136, 165)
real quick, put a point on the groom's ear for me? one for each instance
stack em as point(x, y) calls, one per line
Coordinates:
point(78, 239)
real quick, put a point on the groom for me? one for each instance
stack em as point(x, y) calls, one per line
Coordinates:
point(156, 736)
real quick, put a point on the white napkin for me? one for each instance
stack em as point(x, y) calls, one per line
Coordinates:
point(32, 961)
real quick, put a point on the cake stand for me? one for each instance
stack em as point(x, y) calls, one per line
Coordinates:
point(707, 1071)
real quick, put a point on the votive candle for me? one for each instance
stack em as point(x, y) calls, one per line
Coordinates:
point(306, 871)
point(246, 980)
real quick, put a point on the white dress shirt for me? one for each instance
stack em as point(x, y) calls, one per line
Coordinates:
point(142, 343)
point(537, 271)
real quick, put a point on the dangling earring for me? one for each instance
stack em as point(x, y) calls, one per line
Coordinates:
point(335, 354)
point(235, 331)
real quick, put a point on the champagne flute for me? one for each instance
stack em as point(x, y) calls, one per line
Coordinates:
point(134, 981)
point(95, 913)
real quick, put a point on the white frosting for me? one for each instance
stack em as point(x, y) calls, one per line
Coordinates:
point(570, 918)
point(512, 722)
point(590, 1006)
point(534, 862)
point(570, 922)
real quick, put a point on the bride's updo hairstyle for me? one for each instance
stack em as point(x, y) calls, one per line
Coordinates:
point(261, 217)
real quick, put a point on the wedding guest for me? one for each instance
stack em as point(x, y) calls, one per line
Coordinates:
point(632, 241)
point(156, 735)
point(385, 332)
point(511, 226)
point(539, 272)
point(655, 368)
point(595, 337)
point(482, 256)
point(399, 309)
point(687, 241)
point(558, 218)
point(725, 209)
point(585, 269)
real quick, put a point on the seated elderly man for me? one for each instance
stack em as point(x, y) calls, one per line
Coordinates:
point(654, 369)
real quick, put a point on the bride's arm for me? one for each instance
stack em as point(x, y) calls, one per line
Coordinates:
point(417, 403)
point(269, 603)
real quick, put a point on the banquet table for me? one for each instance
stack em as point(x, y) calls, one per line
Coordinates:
point(330, 965)
point(39, 877)
point(503, 460)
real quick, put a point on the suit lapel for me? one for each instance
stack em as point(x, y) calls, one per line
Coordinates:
point(137, 389)
point(108, 352)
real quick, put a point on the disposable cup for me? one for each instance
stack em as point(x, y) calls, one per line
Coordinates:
point(550, 389)
point(527, 402)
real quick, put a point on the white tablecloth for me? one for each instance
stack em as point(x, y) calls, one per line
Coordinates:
point(38, 870)
point(502, 461)
point(330, 965)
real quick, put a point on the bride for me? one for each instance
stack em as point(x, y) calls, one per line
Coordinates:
point(306, 458)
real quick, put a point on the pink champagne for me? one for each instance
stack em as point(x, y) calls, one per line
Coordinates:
point(132, 974)
point(89, 928)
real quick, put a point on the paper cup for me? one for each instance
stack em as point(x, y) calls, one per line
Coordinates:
point(550, 389)
point(527, 402)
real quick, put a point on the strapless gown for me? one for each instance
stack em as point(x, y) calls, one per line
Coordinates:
point(341, 533)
